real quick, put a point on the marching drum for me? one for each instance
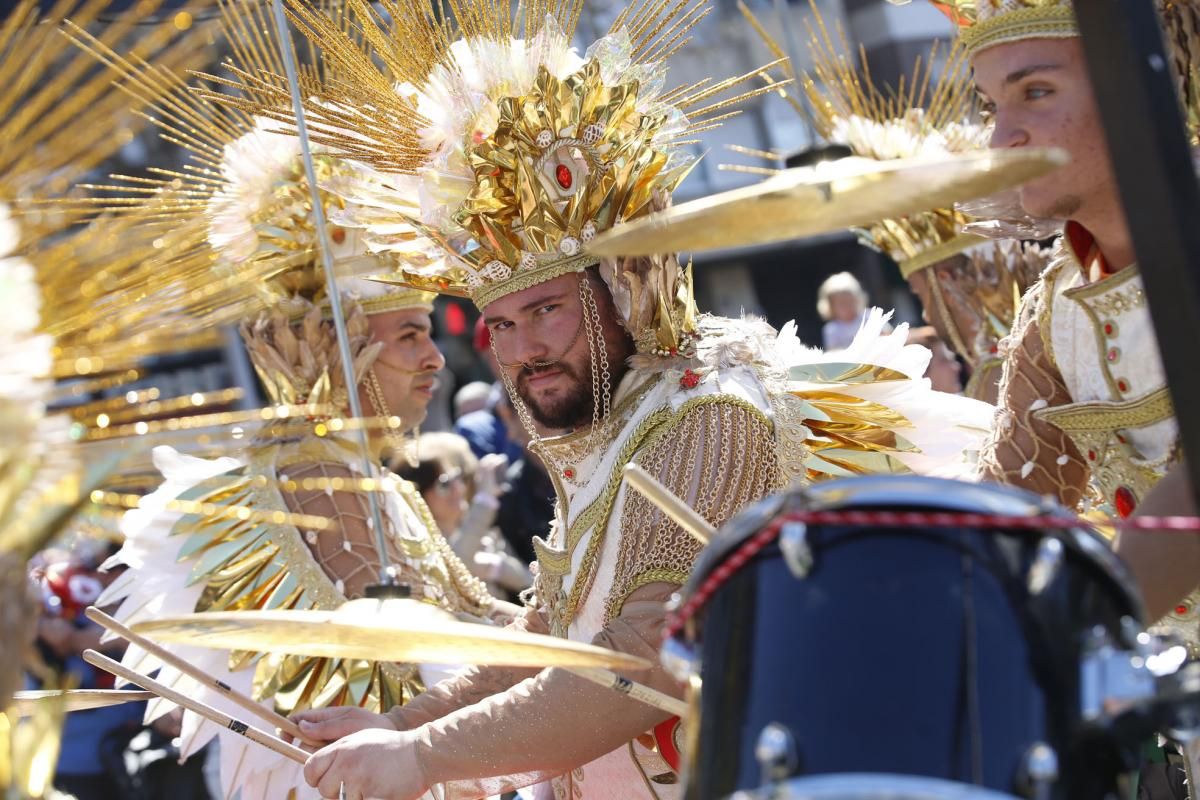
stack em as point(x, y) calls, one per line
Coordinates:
point(907, 662)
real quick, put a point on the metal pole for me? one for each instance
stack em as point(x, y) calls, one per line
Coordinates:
point(783, 13)
point(335, 299)
point(1154, 170)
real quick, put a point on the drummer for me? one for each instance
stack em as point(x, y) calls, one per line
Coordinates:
point(1084, 414)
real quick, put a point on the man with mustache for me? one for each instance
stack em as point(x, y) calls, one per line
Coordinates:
point(303, 463)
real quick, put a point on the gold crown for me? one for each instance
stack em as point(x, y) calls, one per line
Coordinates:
point(985, 23)
point(570, 158)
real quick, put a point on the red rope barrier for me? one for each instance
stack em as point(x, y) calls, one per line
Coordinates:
point(893, 519)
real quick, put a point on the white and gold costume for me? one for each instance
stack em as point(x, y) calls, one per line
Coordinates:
point(522, 151)
point(1084, 412)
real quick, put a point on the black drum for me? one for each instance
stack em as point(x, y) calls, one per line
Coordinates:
point(900, 662)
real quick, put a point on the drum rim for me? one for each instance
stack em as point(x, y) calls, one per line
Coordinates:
point(870, 786)
point(872, 491)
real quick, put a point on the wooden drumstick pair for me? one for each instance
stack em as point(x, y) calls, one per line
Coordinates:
point(208, 712)
point(167, 657)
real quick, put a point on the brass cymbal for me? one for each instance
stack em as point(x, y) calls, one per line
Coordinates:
point(381, 630)
point(25, 703)
point(826, 197)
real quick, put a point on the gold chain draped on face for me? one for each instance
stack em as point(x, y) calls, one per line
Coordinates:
point(598, 436)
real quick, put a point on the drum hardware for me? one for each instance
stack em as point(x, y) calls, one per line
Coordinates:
point(1046, 564)
point(797, 553)
point(1148, 681)
point(1038, 771)
point(776, 753)
point(680, 661)
point(1113, 680)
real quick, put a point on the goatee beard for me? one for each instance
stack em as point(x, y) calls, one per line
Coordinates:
point(572, 411)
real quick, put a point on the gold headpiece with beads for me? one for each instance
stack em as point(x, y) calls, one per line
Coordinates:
point(519, 149)
point(984, 23)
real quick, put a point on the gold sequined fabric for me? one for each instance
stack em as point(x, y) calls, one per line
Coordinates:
point(1024, 450)
point(258, 565)
point(718, 458)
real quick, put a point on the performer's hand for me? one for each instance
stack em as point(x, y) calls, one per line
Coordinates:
point(325, 725)
point(375, 764)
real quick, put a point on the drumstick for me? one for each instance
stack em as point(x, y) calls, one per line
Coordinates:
point(208, 712)
point(638, 691)
point(167, 657)
point(670, 504)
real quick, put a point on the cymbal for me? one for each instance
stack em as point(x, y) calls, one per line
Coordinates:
point(24, 703)
point(828, 196)
point(406, 631)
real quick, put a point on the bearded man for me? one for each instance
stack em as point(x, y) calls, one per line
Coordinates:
point(607, 364)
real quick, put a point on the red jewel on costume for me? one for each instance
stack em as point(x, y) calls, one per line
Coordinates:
point(568, 473)
point(562, 174)
point(1125, 502)
point(1091, 455)
point(690, 380)
point(1181, 610)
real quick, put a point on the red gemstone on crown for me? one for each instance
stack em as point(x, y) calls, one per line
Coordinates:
point(1091, 455)
point(690, 380)
point(562, 174)
point(1124, 501)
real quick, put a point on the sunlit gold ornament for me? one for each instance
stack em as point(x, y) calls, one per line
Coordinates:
point(520, 150)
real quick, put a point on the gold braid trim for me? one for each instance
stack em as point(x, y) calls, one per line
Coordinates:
point(522, 279)
point(1043, 22)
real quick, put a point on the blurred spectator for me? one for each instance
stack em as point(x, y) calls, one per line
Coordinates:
point(945, 371)
point(472, 397)
point(484, 430)
point(105, 752)
point(842, 303)
point(90, 763)
point(463, 494)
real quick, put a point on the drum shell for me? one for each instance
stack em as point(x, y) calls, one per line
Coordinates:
point(865, 660)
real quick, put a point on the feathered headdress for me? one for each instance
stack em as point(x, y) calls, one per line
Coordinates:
point(519, 149)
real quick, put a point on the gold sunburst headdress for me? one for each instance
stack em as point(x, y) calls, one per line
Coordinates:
point(519, 149)
point(240, 211)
